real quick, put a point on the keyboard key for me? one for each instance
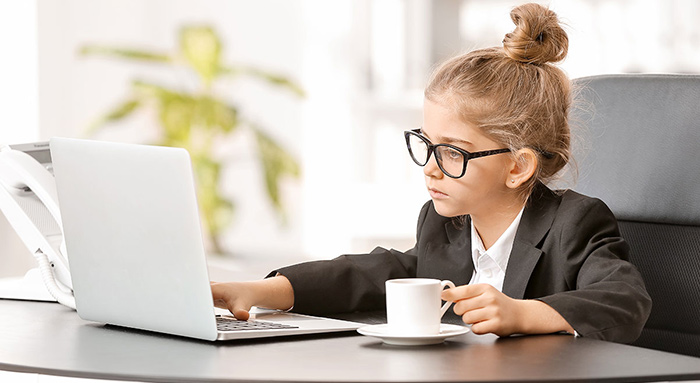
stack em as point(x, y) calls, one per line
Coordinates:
point(232, 324)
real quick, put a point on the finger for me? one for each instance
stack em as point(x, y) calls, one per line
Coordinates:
point(463, 292)
point(483, 327)
point(476, 316)
point(454, 294)
point(240, 314)
point(493, 326)
point(240, 311)
point(464, 305)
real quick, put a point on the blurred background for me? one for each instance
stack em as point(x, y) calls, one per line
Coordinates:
point(332, 84)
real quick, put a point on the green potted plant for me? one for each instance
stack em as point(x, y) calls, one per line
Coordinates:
point(196, 119)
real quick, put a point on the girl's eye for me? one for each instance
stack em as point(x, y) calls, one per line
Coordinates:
point(452, 154)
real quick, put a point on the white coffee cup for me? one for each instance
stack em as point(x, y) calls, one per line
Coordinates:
point(413, 305)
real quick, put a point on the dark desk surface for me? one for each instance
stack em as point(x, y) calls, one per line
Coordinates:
point(47, 338)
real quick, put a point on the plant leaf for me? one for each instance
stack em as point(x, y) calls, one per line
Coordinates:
point(196, 121)
point(175, 112)
point(271, 78)
point(215, 114)
point(129, 54)
point(217, 211)
point(176, 115)
point(119, 112)
point(201, 47)
point(148, 90)
point(276, 163)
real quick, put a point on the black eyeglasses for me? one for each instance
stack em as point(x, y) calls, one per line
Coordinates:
point(450, 159)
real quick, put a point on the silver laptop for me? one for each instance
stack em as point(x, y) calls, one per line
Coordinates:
point(135, 247)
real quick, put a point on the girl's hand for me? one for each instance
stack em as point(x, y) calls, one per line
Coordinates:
point(490, 311)
point(485, 308)
point(239, 297)
point(234, 296)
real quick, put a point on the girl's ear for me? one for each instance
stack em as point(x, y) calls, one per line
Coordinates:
point(522, 168)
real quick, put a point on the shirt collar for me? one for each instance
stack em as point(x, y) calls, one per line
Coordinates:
point(500, 251)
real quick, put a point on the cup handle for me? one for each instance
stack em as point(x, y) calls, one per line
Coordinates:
point(447, 284)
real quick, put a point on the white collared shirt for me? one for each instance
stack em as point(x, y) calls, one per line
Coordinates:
point(490, 265)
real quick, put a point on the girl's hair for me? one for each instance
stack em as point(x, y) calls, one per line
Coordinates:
point(513, 93)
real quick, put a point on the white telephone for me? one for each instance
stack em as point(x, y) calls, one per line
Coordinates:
point(29, 201)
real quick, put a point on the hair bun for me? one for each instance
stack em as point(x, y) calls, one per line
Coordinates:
point(538, 38)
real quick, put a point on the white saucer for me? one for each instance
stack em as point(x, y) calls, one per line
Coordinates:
point(382, 331)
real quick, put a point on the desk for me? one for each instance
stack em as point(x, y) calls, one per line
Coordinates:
point(47, 338)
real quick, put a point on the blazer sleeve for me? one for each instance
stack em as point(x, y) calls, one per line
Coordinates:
point(349, 283)
point(609, 300)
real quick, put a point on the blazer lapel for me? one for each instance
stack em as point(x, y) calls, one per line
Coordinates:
point(523, 258)
point(535, 224)
point(451, 259)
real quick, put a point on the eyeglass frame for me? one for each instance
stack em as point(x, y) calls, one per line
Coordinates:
point(431, 151)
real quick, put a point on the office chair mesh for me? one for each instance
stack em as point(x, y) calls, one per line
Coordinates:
point(668, 328)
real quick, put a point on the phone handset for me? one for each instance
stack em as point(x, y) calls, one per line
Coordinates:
point(21, 176)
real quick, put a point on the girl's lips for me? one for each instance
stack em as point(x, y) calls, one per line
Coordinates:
point(437, 194)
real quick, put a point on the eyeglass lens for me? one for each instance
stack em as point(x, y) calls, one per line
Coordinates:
point(449, 160)
point(419, 149)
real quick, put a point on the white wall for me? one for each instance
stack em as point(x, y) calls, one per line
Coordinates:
point(19, 106)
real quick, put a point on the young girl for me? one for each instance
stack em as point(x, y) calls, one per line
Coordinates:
point(526, 259)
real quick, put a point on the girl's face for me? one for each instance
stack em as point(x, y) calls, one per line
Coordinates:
point(482, 190)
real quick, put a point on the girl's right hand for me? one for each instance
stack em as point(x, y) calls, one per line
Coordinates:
point(238, 297)
point(234, 296)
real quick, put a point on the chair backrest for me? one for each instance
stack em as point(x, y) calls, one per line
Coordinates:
point(642, 134)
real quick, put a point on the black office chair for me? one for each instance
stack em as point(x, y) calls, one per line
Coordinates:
point(642, 134)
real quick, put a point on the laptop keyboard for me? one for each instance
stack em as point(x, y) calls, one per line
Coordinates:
point(232, 324)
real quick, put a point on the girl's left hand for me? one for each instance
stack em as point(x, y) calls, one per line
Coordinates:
point(486, 309)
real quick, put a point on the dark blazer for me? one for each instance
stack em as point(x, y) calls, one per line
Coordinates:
point(567, 252)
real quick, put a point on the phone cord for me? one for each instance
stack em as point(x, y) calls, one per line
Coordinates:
point(50, 281)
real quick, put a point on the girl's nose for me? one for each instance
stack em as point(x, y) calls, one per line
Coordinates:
point(431, 169)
